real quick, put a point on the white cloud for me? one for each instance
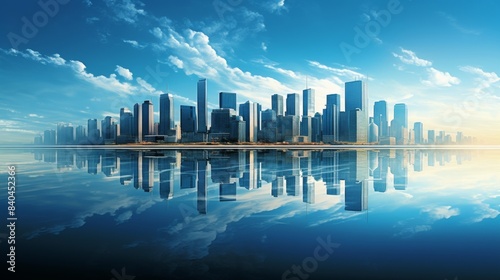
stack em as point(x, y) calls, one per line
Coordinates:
point(442, 212)
point(346, 73)
point(126, 10)
point(124, 72)
point(278, 6)
point(409, 57)
point(441, 79)
point(263, 46)
point(35, 116)
point(134, 44)
point(485, 80)
point(176, 61)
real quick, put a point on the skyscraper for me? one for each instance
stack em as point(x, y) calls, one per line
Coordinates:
point(431, 137)
point(188, 119)
point(356, 102)
point(106, 127)
point(126, 122)
point(401, 114)
point(292, 105)
point(277, 104)
point(331, 118)
point(49, 137)
point(380, 118)
point(148, 122)
point(399, 125)
point(248, 111)
point(202, 111)
point(92, 131)
point(418, 128)
point(227, 100)
point(167, 125)
point(308, 98)
point(137, 124)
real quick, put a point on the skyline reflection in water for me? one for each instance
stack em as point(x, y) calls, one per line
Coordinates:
point(253, 214)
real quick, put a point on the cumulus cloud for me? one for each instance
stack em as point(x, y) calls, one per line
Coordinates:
point(126, 10)
point(442, 212)
point(440, 79)
point(409, 57)
point(124, 72)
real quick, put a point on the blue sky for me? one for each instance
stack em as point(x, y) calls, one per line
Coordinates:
point(81, 59)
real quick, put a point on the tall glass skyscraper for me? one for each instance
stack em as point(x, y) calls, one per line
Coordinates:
point(167, 125)
point(380, 118)
point(292, 104)
point(331, 117)
point(137, 129)
point(248, 111)
point(188, 119)
point(227, 100)
point(148, 123)
point(418, 128)
point(308, 103)
point(126, 122)
point(277, 104)
point(401, 114)
point(202, 106)
point(356, 102)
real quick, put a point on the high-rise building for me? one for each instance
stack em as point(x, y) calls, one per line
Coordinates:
point(308, 102)
point(373, 136)
point(431, 137)
point(316, 126)
point(65, 134)
point(277, 104)
point(126, 122)
point(137, 129)
point(221, 120)
point(269, 126)
point(227, 100)
point(356, 107)
point(49, 137)
point(108, 132)
point(92, 131)
point(148, 121)
point(292, 104)
point(80, 135)
point(331, 118)
point(248, 111)
point(188, 119)
point(401, 114)
point(418, 129)
point(380, 118)
point(166, 126)
point(202, 110)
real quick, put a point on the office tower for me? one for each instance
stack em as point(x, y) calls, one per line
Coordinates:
point(431, 137)
point(440, 139)
point(316, 126)
point(137, 124)
point(277, 104)
point(202, 111)
point(65, 134)
point(188, 119)
point(380, 118)
point(221, 120)
point(259, 113)
point(49, 137)
point(248, 111)
point(460, 138)
point(38, 140)
point(308, 98)
point(356, 102)
point(148, 121)
point(166, 126)
point(106, 128)
point(80, 135)
point(269, 126)
point(92, 131)
point(373, 132)
point(331, 115)
point(227, 100)
point(292, 104)
point(306, 127)
point(126, 122)
point(401, 114)
point(238, 129)
point(418, 129)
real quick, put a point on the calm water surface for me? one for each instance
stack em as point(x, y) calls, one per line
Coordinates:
point(381, 214)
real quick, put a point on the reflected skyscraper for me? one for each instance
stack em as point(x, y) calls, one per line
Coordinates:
point(166, 166)
point(189, 173)
point(202, 187)
point(148, 172)
point(137, 160)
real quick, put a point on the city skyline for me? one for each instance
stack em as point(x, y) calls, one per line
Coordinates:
point(50, 75)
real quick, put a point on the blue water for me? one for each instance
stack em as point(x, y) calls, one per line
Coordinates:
point(380, 214)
